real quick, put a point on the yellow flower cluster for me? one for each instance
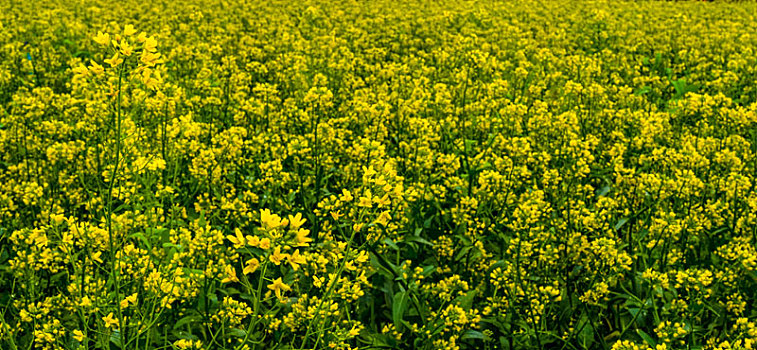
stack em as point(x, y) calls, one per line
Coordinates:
point(378, 174)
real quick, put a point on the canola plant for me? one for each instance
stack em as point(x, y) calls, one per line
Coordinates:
point(414, 174)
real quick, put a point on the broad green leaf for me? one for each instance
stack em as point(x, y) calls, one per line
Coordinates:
point(399, 306)
point(472, 334)
point(646, 338)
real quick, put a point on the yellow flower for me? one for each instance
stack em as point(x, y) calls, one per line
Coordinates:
point(187, 344)
point(271, 221)
point(150, 59)
point(96, 68)
point(276, 257)
point(129, 30)
point(110, 321)
point(362, 257)
point(25, 316)
point(150, 44)
point(277, 286)
point(130, 300)
point(231, 275)
point(102, 38)
point(383, 201)
point(238, 240)
point(57, 218)
point(265, 244)
point(253, 241)
point(126, 48)
point(296, 221)
point(369, 171)
point(78, 335)
point(346, 196)
point(85, 302)
point(296, 259)
point(383, 218)
point(365, 202)
point(81, 70)
point(318, 281)
point(355, 331)
point(251, 266)
point(301, 238)
point(114, 61)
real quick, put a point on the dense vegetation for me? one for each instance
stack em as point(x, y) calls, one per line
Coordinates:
point(377, 174)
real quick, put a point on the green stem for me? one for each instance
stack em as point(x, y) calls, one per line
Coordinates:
point(109, 216)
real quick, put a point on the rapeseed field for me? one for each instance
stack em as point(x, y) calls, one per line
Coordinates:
point(413, 174)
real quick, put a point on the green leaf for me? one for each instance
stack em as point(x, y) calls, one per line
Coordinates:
point(471, 334)
point(586, 336)
point(469, 144)
point(427, 270)
point(141, 237)
point(163, 233)
point(504, 343)
point(388, 241)
point(385, 268)
point(466, 301)
point(646, 338)
point(186, 320)
point(620, 223)
point(399, 306)
point(115, 338)
point(236, 332)
point(642, 91)
point(418, 240)
point(603, 191)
